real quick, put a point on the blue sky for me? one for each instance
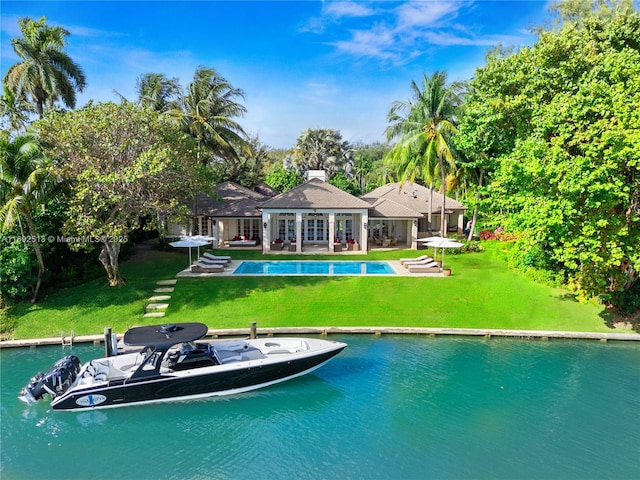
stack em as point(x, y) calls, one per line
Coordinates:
point(301, 64)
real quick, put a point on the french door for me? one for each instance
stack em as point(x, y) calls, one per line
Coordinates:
point(316, 229)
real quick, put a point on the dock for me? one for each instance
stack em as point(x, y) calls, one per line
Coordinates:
point(376, 331)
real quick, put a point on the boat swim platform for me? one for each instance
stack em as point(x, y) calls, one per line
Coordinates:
point(485, 333)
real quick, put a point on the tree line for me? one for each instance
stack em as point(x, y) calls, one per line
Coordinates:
point(542, 142)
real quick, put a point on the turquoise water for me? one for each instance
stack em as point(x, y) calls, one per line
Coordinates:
point(386, 408)
point(292, 267)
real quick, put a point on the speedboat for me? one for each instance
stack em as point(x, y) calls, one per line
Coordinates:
point(171, 362)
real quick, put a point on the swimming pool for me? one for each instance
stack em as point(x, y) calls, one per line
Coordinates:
point(312, 267)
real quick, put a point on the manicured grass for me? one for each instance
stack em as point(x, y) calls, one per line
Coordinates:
point(481, 293)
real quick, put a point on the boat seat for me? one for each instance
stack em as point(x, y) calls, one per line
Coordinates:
point(227, 356)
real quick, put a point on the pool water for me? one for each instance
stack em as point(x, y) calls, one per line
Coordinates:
point(388, 407)
point(313, 268)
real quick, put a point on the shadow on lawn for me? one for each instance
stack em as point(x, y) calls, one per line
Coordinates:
point(198, 293)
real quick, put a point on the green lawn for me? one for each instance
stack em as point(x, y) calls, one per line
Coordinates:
point(481, 293)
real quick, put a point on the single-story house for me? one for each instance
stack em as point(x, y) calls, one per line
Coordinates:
point(320, 214)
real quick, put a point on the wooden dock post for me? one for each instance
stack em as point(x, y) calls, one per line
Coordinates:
point(108, 342)
point(254, 330)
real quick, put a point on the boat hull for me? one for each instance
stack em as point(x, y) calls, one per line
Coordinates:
point(199, 383)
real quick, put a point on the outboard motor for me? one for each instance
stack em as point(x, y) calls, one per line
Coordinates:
point(55, 382)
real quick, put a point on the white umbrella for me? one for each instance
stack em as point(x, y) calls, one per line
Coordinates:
point(431, 239)
point(443, 243)
point(190, 242)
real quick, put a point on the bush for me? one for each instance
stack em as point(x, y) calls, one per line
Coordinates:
point(18, 269)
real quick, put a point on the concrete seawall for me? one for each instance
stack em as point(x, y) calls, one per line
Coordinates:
point(467, 332)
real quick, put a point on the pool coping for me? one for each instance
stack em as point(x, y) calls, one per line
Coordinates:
point(486, 333)
point(398, 268)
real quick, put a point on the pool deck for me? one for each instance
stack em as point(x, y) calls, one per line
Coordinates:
point(230, 269)
point(376, 331)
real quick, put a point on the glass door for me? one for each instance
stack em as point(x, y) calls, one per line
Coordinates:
point(316, 229)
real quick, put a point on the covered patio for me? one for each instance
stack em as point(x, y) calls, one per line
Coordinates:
point(315, 216)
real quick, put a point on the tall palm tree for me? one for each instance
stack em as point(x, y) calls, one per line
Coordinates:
point(156, 91)
point(46, 73)
point(25, 183)
point(207, 113)
point(423, 127)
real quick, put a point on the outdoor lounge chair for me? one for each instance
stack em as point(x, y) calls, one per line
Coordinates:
point(206, 261)
point(414, 259)
point(210, 261)
point(424, 261)
point(200, 267)
point(432, 267)
point(216, 257)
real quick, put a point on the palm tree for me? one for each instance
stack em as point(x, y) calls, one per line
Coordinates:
point(156, 91)
point(14, 110)
point(207, 111)
point(25, 183)
point(423, 128)
point(46, 73)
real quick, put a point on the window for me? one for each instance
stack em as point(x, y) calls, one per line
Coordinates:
point(248, 227)
point(316, 227)
point(286, 227)
point(344, 227)
point(201, 226)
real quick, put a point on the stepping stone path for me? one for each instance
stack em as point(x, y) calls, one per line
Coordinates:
point(157, 306)
point(159, 298)
point(155, 309)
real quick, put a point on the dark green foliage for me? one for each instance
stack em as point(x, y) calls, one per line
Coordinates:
point(283, 180)
point(557, 124)
point(18, 267)
point(350, 186)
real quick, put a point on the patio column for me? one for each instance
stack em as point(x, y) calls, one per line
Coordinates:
point(298, 232)
point(332, 230)
point(215, 232)
point(414, 234)
point(364, 235)
point(266, 238)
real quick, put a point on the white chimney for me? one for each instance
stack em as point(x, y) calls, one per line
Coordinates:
point(319, 174)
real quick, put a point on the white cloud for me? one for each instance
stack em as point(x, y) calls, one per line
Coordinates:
point(378, 42)
point(347, 9)
point(410, 28)
point(446, 39)
point(425, 14)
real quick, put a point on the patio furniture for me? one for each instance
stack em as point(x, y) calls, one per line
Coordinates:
point(277, 245)
point(414, 259)
point(432, 267)
point(216, 257)
point(200, 267)
point(208, 261)
point(425, 261)
point(337, 247)
point(239, 241)
point(352, 245)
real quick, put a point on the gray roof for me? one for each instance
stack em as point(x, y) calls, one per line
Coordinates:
point(413, 196)
point(232, 200)
point(315, 194)
point(385, 208)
